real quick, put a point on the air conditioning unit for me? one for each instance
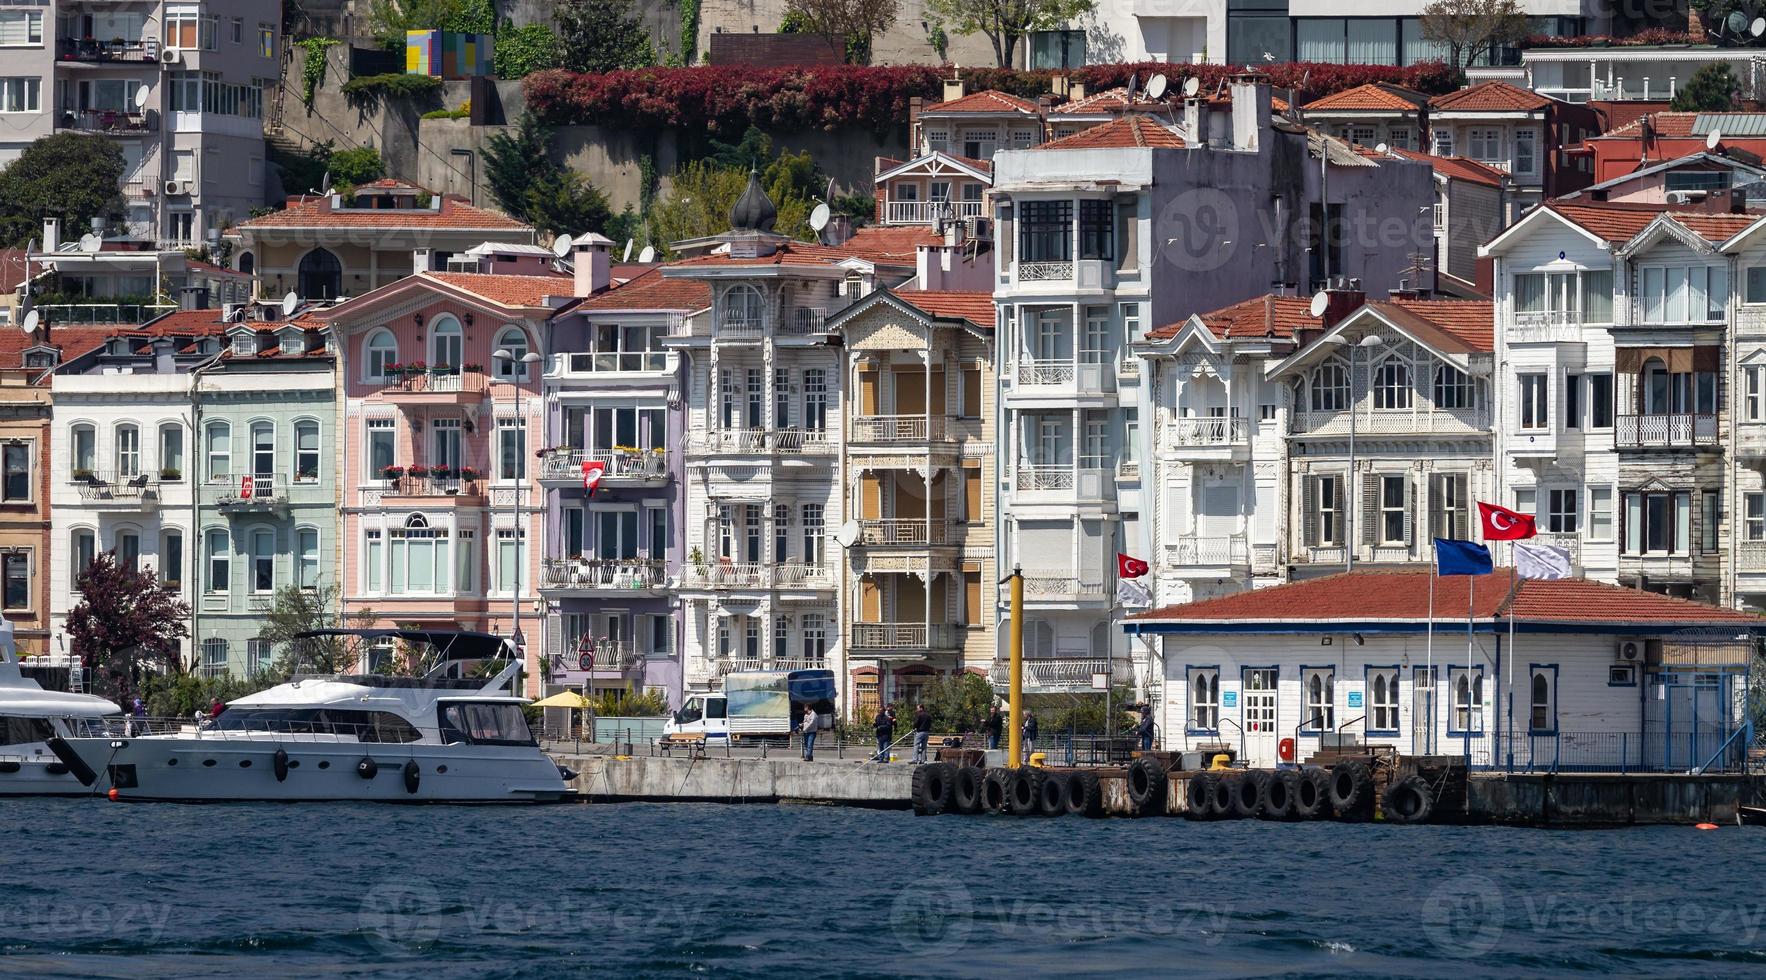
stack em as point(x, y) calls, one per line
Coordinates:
point(1629, 652)
point(170, 56)
point(1686, 197)
point(176, 187)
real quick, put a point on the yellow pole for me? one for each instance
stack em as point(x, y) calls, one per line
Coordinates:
point(1014, 743)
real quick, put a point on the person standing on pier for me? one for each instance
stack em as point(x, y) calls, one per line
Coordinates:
point(1029, 735)
point(808, 728)
point(885, 727)
point(922, 733)
point(995, 724)
point(1145, 728)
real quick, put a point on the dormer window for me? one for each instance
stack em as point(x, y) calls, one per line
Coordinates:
point(39, 359)
point(292, 343)
point(245, 344)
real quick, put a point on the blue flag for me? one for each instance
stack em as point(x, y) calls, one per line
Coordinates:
point(1461, 558)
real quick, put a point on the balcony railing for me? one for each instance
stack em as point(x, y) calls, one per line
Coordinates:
point(436, 382)
point(1045, 271)
point(1037, 476)
point(907, 531)
point(898, 428)
point(1044, 374)
point(105, 486)
point(918, 212)
point(799, 321)
point(725, 574)
point(430, 485)
point(1546, 326)
point(598, 653)
point(904, 636)
point(102, 313)
point(601, 573)
point(1571, 543)
point(114, 49)
point(245, 490)
point(599, 362)
point(730, 665)
point(1063, 673)
point(642, 464)
point(1057, 585)
point(1677, 429)
point(1395, 421)
point(110, 122)
point(1208, 430)
point(1213, 551)
point(783, 441)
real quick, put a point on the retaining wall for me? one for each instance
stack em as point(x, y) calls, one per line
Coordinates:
point(605, 779)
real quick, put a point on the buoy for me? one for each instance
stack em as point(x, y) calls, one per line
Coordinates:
point(113, 794)
point(1696, 826)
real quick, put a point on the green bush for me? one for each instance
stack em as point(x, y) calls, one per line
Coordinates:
point(628, 704)
point(357, 165)
point(372, 89)
point(521, 51)
point(460, 113)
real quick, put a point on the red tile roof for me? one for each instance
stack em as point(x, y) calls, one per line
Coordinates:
point(1469, 321)
point(1109, 100)
point(985, 101)
point(1716, 227)
point(1494, 96)
point(1403, 596)
point(881, 244)
point(1260, 316)
point(506, 290)
point(1618, 222)
point(315, 212)
point(1374, 96)
point(976, 307)
point(651, 290)
point(1123, 131)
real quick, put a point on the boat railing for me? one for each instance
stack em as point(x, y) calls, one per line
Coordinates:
point(397, 732)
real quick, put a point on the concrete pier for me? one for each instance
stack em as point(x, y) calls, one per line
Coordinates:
point(608, 779)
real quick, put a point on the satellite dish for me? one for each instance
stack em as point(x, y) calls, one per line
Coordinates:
point(1132, 80)
point(647, 256)
point(1382, 148)
point(1736, 22)
point(30, 321)
point(1320, 300)
point(818, 218)
point(1758, 27)
point(31, 247)
point(289, 302)
point(325, 182)
point(1715, 137)
point(847, 536)
point(1191, 86)
point(90, 243)
point(627, 257)
point(141, 97)
point(1156, 87)
point(561, 246)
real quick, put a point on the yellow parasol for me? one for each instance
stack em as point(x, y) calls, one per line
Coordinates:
point(564, 699)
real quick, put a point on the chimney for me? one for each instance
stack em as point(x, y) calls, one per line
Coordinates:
point(193, 298)
point(1076, 91)
point(1343, 297)
point(1250, 110)
point(51, 234)
point(1192, 123)
point(592, 255)
point(163, 362)
point(953, 87)
point(422, 260)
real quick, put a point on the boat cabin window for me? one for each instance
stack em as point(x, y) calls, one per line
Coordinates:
point(485, 724)
point(366, 726)
point(23, 731)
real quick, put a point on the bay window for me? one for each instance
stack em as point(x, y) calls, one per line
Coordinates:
point(1658, 522)
point(1045, 230)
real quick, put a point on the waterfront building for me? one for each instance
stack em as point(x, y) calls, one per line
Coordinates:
point(613, 557)
point(326, 246)
point(1519, 132)
point(1536, 674)
point(25, 466)
point(179, 87)
point(974, 125)
point(264, 463)
point(1373, 114)
point(440, 494)
point(919, 594)
point(1677, 143)
point(1130, 224)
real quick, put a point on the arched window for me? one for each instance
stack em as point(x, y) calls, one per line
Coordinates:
point(1330, 387)
point(744, 309)
point(1392, 384)
point(85, 442)
point(320, 275)
point(1453, 389)
point(128, 548)
point(263, 561)
point(1541, 720)
point(248, 263)
point(218, 446)
point(513, 340)
point(128, 451)
point(447, 344)
point(382, 351)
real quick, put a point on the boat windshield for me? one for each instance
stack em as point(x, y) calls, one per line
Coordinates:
point(485, 724)
point(366, 726)
point(23, 731)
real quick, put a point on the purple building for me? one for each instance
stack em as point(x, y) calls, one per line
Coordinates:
point(614, 419)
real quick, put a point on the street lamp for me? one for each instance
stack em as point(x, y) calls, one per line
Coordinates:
point(516, 376)
point(1368, 342)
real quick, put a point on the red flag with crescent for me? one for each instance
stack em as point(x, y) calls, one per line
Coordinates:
point(1502, 524)
point(592, 470)
point(1130, 567)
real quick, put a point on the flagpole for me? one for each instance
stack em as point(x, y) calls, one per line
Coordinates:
point(1434, 570)
point(1471, 585)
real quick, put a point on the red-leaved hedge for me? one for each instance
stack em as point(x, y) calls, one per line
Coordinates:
point(728, 99)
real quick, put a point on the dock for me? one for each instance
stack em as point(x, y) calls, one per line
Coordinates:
point(687, 779)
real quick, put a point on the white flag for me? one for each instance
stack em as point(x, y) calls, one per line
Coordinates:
point(1541, 560)
point(1132, 594)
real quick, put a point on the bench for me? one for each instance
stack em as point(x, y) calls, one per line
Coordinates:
point(693, 742)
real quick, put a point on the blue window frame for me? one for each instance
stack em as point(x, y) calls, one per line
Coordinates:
point(1542, 699)
point(1318, 699)
point(1465, 701)
point(1380, 700)
point(1202, 699)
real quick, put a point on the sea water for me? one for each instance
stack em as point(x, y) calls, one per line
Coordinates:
point(90, 888)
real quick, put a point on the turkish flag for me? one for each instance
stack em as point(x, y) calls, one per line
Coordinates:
point(592, 470)
point(1502, 524)
point(1127, 567)
point(245, 483)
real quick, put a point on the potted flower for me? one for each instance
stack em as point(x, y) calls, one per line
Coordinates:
point(392, 472)
point(442, 472)
point(416, 367)
point(82, 473)
point(418, 472)
point(395, 370)
point(170, 473)
point(474, 368)
point(469, 473)
point(440, 369)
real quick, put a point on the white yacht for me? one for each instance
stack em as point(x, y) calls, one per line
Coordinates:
point(439, 738)
point(29, 718)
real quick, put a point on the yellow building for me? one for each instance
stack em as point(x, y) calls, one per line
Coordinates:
point(918, 598)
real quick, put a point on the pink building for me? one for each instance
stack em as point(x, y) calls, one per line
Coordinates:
point(440, 496)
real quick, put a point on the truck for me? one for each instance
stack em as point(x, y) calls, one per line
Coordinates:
point(757, 704)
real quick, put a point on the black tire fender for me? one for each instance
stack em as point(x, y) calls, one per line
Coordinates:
point(1084, 794)
point(279, 762)
point(1051, 796)
point(994, 789)
point(966, 789)
point(1312, 795)
point(413, 775)
point(1350, 784)
point(367, 768)
point(1198, 795)
point(933, 786)
point(1023, 791)
point(1277, 802)
point(1409, 800)
point(1147, 786)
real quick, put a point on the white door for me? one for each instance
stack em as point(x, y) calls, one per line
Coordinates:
point(1422, 710)
point(1259, 716)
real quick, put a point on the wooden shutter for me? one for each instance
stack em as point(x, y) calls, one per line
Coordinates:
point(867, 392)
point(938, 392)
point(554, 635)
point(972, 492)
point(935, 509)
point(972, 598)
point(870, 601)
point(971, 393)
point(870, 497)
point(1370, 507)
point(1463, 495)
point(1309, 510)
point(1409, 512)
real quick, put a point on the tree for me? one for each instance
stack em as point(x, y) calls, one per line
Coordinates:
point(1469, 28)
point(853, 21)
point(1006, 21)
point(127, 622)
point(356, 165)
point(510, 159)
point(603, 35)
point(529, 186)
point(1710, 89)
point(958, 704)
point(388, 20)
point(68, 175)
point(294, 611)
point(523, 50)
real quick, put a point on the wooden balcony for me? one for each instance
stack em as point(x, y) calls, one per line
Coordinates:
point(1678, 430)
point(904, 637)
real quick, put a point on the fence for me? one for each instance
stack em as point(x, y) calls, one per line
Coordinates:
point(1651, 750)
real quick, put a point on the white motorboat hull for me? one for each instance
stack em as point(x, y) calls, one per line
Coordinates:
point(32, 770)
point(242, 766)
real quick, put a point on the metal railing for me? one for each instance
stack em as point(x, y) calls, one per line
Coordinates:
point(601, 654)
point(602, 573)
point(1054, 584)
point(1393, 421)
point(806, 441)
point(113, 49)
point(1045, 271)
point(898, 428)
point(109, 122)
point(1546, 326)
point(1044, 374)
point(1676, 429)
point(246, 488)
point(1750, 556)
point(432, 381)
point(642, 464)
point(1208, 430)
point(102, 485)
point(1060, 673)
point(906, 531)
point(1042, 476)
point(911, 636)
point(431, 486)
point(917, 212)
point(1214, 550)
point(1712, 749)
point(723, 574)
point(102, 313)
